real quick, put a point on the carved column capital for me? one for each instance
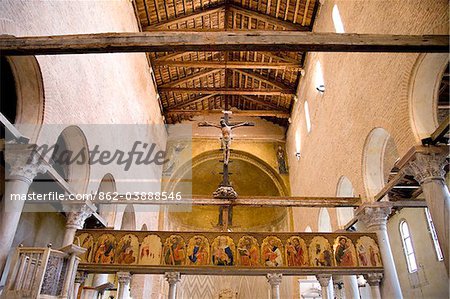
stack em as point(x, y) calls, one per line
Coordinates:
point(324, 279)
point(77, 214)
point(24, 162)
point(123, 278)
point(425, 167)
point(172, 277)
point(274, 278)
point(373, 279)
point(374, 216)
point(80, 277)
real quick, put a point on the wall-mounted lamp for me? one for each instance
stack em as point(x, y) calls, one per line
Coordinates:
point(295, 98)
point(297, 155)
point(321, 88)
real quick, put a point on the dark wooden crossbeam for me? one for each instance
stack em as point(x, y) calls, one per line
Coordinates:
point(229, 90)
point(229, 64)
point(270, 41)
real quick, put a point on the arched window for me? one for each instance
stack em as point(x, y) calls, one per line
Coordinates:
point(408, 247)
point(437, 247)
point(307, 117)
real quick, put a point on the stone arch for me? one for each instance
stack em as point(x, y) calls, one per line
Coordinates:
point(344, 189)
point(29, 87)
point(237, 155)
point(72, 140)
point(107, 212)
point(324, 223)
point(423, 93)
point(380, 154)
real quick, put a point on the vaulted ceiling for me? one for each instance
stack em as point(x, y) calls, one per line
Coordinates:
point(192, 83)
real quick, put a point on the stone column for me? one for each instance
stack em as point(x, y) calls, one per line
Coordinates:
point(374, 279)
point(24, 164)
point(79, 280)
point(172, 278)
point(338, 287)
point(374, 216)
point(351, 289)
point(325, 282)
point(274, 280)
point(76, 215)
point(428, 170)
point(123, 291)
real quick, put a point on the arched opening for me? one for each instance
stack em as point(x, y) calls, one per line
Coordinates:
point(107, 211)
point(201, 176)
point(344, 189)
point(424, 93)
point(380, 155)
point(71, 158)
point(128, 219)
point(324, 221)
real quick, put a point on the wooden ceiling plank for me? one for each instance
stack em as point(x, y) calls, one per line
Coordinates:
point(186, 17)
point(297, 5)
point(268, 19)
point(261, 78)
point(228, 90)
point(270, 41)
point(191, 102)
point(261, 102)
point(188, 78)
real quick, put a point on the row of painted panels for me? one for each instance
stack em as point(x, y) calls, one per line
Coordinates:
point(222, 251)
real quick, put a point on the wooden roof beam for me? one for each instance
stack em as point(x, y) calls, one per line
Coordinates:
point(229, 91)
point(184, 18)
point(249, 113)
point(229, 64)
point(194, 76)
point(271, 41)
point(267, 18)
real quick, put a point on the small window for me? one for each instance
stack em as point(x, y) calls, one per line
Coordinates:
point(408, 247)
point(307, 117)
point(432, 230)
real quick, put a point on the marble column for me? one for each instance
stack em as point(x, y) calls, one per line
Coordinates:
point(325, 283)
point(351, 289)
point(24, 165)
point(79, 280)
point(123, 290)
point(274, 280)
point(428, 170)
point(374, 217)
point(338, 287)
point(374, 280)
point(76, 214)
point(172, 278)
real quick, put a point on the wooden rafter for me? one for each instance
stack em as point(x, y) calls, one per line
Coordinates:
point(193, 101)
point(268, 19)
point(229, 90)
point(262, 78)
point(262, 102)
point(271, 41)
point(229, 64)
point(192, 77)
point(187, 17)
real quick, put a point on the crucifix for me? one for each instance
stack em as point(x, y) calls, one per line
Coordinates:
point(225, 189)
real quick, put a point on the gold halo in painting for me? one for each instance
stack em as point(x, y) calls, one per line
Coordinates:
point(223, 251)
point(105, 249)
point(296, 252)
point(368, 252)
point(127, 250)
point(248, 252)
point(344, 252)
point(174, 251)
point(320, 254)
point(198, 251)
point(272, 252)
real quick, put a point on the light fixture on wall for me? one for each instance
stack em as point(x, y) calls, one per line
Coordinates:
point(297, 155)
point(320, 88)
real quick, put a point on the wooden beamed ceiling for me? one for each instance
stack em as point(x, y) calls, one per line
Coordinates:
point(199, 83)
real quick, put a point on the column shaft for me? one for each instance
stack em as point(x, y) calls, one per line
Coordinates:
point(351, 290)
point(172, 278)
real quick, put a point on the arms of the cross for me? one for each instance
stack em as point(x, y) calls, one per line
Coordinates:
point(208, 124)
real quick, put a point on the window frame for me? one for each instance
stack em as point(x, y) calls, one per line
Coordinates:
point(433, 235)
point(406, 252)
